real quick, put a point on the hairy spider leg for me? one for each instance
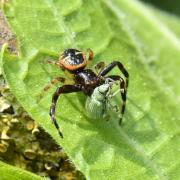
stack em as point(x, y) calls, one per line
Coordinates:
point(123, 95)
point(60, 90)
point(48, 61)
point(99, 66)
point(91, 54)
point(123, 85)
point(90, 57)
point(54, 81)
point(49, 85)
point(109, 67)
point(123, 92)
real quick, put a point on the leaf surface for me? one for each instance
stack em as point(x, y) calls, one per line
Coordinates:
point(10, 172)
point(147, 145)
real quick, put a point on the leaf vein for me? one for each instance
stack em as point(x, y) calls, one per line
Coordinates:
point(61, 24)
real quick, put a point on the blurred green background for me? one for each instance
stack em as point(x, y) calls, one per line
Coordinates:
point(171, 6)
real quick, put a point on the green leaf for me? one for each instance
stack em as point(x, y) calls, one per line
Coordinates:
point(147, 145)
point(9, 172)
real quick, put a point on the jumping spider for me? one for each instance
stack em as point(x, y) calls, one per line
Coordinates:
point(85, 80)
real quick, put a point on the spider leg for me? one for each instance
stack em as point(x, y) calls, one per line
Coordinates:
point(48, 61)
point(99, 66)
point(54, 81)
point(109, 67)
point(123, 92)
point(49, 85)
point(91, 54)
point(60, 90)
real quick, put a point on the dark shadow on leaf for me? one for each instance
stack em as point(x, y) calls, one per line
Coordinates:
point(150, 131)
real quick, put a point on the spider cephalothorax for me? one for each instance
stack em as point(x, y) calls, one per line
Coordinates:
point(85, 80)
point(72, 59)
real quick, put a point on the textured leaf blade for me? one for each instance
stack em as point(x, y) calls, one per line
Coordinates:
point(10, 172)
point(160, 48)
point(99, 149)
